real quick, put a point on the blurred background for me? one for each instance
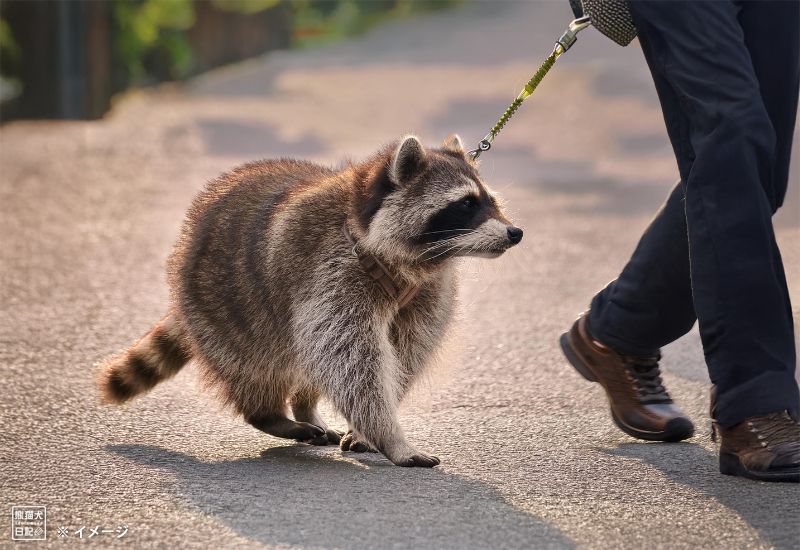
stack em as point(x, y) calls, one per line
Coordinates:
point(67, 59)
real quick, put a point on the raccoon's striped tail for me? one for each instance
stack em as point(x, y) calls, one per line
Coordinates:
point(160, 354)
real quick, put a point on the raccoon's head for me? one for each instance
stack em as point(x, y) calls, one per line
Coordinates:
point(423, 206)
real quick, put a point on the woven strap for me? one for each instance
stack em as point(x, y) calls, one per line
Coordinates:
point(378, 272)
point(612, 18)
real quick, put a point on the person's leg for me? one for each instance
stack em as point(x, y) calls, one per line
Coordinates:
point(709, 69)
point(779, 82)
point(650, 304)
point(767, 26)
point(617, 344)
point(739, 289)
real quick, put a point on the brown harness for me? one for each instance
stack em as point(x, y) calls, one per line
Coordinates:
point(380, 273)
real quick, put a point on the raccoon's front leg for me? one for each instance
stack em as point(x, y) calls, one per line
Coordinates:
point(304, 408)
point(374, 416)
point(362, 381)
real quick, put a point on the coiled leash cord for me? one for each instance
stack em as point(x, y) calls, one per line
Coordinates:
point(564, 43)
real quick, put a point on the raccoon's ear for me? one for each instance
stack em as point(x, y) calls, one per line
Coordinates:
point(409, 160)
point(454, 144)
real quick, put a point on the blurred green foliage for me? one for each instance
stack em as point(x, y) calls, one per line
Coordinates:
point(10, 59)
point(244, 6)
point(148, 27)
point(152, 33)
point(319, 21)
point(7, 43)
point(155, 27)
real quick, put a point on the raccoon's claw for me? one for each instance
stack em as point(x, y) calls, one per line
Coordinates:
point(350, 443)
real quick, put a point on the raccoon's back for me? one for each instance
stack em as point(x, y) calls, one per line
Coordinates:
point(220, 290)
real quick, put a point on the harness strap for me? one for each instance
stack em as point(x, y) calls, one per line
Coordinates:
point(378, 272)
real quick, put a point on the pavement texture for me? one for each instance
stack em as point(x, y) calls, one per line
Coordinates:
point(530, 457)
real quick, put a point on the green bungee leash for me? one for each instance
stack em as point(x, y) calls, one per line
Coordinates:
point(564, 43)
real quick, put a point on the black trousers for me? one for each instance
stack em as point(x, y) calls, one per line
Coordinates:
point(727, 77)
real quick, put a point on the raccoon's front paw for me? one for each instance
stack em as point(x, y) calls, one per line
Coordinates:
point(419, 459)
point(409, 456)
point(351, 443)
point(330, 437)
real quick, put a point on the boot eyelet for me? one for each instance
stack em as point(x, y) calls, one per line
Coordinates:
point(764, 444)
point(750, 424)
point(760, 436)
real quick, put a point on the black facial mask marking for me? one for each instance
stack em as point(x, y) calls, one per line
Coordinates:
point(467, 213)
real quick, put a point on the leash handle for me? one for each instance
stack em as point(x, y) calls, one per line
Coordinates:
point(564, 43)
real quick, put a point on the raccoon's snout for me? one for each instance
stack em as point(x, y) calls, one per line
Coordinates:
point(514, 234)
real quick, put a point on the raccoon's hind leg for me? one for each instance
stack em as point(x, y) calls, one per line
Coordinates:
point(279, 425)
point(266, 409)
point(304, 407)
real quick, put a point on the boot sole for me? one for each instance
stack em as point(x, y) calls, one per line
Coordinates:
point(679, 431)
point(731, 466)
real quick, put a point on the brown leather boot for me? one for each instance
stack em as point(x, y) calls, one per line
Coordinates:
point(766, 447)
point(640, 405)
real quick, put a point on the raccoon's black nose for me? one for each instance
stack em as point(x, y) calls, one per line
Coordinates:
point(514, 234)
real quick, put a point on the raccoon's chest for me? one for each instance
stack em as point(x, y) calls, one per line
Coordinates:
point(427, 316)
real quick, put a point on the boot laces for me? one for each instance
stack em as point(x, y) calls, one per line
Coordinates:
point(776, 430)
point(647, 376)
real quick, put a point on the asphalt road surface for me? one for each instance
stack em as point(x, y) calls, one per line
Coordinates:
point(530, 457)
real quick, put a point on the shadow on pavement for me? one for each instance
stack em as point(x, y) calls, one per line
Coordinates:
point(756, 502)
point(318, 497)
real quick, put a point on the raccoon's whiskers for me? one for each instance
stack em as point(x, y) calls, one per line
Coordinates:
point(431, 247)
point(494, 275)
point(513, 255)
point(522, 253)
point(440, 253)
point(444, 252)
point(439, 242)
point(472, 248)
point(445, 231)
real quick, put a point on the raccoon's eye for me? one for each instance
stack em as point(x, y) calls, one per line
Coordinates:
point(470, 202)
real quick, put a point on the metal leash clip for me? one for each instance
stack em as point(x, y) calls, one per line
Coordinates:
point(568, 38)
point(484, 145)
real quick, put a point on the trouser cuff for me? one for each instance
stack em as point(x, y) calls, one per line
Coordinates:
point(770, 392)
point(607, 322)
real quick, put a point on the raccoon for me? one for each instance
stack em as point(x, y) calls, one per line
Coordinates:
point(291, 281)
